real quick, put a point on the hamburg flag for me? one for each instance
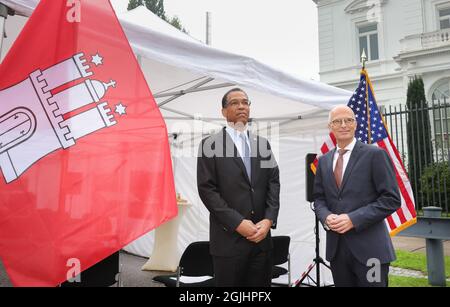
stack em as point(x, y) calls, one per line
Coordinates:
point(85, 165)
point(371, 129)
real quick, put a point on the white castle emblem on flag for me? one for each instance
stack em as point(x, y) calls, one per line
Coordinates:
point(31, 117)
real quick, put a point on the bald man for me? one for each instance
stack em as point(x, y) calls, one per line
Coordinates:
point(355, 190)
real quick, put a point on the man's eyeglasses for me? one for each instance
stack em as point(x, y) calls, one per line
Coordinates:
point(338, 122)
point(235, 102)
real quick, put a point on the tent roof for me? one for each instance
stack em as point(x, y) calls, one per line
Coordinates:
point(154, 41)
point(141, 15)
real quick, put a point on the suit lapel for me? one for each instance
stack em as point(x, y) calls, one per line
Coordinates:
point(235, 154)
point(355, 155)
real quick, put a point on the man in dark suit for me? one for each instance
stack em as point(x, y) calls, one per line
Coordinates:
point(355, 189)
point(238, 181)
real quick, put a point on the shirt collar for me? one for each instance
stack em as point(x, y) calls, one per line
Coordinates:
point(235, 133)
point(349, 147)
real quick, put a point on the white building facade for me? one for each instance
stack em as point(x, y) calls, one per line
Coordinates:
point(401, 38)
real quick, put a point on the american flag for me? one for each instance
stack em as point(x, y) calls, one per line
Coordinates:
point(371, 129)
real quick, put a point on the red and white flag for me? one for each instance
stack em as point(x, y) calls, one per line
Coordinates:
point(371, 129)
point(85, 164)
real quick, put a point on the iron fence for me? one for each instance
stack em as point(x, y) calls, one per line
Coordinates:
point(421, 135)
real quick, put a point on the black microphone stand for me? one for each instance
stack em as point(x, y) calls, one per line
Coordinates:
point(317, 261)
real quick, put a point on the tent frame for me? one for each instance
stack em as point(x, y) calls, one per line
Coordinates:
point(3, 15)
point(199, 88)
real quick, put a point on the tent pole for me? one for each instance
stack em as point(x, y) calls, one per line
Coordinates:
point(194, 89)
point(189, 116)
point(3, 16)
point(181, 93)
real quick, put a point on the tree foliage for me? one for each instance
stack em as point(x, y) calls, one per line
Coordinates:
point(420, 149)
point(157, 7)
point(435, 183)
point(134, 4)
point(176, 22)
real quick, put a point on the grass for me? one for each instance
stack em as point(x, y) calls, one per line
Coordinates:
point(417, 261)
point(414, 261)
point(401, 281)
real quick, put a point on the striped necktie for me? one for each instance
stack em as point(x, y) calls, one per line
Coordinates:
point(339, 167)
point(246, 154)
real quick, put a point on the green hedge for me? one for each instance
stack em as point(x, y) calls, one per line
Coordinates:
point(435, 184)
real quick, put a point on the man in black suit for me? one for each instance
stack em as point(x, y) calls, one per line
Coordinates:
point(355, 189)
point(238, 181)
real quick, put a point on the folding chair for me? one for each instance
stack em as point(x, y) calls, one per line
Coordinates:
point(196, 261)
point(280, 256)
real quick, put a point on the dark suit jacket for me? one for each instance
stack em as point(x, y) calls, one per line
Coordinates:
point(230, 197)
point(369, 193)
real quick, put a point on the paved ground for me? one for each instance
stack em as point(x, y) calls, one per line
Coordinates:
point(4, 281)
point(416, 244)
point(133, 276)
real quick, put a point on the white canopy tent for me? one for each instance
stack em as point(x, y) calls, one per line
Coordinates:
point(188, 80)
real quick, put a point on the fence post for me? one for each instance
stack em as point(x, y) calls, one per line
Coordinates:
point(435, 252)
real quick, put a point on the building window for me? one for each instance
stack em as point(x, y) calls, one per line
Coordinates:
point(368, 41)
point(442, 92)
point(441, 100)
point(444, 18)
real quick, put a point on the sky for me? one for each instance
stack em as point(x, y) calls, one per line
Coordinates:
point(281, 33)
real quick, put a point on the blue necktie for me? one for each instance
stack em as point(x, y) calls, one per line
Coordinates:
point(246, 155)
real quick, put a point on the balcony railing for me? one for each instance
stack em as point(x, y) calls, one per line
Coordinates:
point(436, 39)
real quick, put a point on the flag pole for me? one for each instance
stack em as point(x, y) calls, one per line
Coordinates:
point(3, 16)
point(364, 60)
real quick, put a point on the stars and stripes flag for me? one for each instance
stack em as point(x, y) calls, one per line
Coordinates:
point(371, 129)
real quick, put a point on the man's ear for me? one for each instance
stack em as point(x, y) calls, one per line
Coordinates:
point(224, 112)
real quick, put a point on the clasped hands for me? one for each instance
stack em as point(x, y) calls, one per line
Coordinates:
point(340, 223)
point(254, 232)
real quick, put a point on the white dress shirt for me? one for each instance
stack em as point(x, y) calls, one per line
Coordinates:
point(345, 157)
point(237, 139)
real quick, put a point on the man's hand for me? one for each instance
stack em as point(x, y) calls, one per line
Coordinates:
point(263, 227)
point(329, 219)
point(246, 228)
point(340, 224)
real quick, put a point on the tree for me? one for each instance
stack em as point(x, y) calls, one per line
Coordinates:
point(157, 7)
point(435, 183)
point(420, 149)
point(134, 4)
point(175, 21)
